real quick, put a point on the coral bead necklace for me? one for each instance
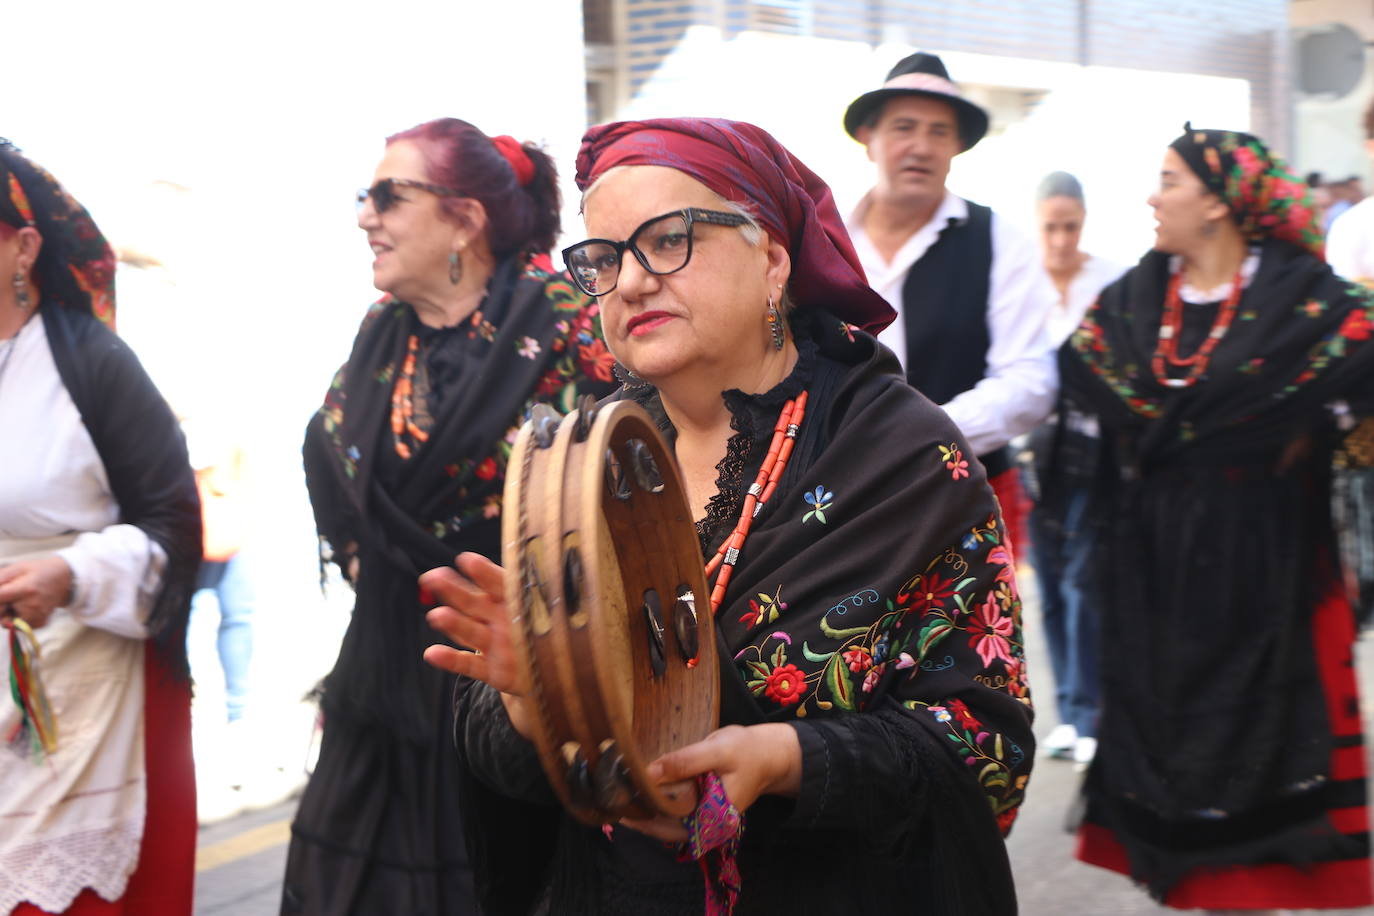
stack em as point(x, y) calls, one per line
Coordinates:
point(760, 491)
point(1171, 326)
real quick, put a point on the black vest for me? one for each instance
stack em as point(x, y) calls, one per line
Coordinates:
point(945, 315)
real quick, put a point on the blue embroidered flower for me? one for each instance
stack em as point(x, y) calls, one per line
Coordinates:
point(820, 499)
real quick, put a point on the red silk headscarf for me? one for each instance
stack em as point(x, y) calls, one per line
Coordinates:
point(743, 163)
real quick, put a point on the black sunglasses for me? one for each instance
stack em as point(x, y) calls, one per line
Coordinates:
point(384, 196)
point(662, 245)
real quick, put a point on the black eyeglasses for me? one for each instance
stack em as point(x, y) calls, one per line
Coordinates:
point(384, 195)
point(662, 245)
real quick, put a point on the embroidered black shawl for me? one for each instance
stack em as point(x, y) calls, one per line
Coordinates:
point(535, 338)
point(874, 605)
point(1214, 744)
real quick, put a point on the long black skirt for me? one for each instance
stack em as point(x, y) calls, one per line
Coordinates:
point(378, 829)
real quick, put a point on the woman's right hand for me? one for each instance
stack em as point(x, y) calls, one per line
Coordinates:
point(474, 615)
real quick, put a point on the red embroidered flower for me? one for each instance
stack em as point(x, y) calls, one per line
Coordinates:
point(487, 469)
point(597, 360)
point(785, 685)
point(957, 466)
point(966, 718)
point(858, 659)
point(1357, 326)
point(929, 591)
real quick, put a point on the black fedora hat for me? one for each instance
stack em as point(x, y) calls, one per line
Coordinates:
point(920, 74)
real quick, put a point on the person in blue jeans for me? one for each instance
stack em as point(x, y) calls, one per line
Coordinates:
point(1060, 523)
point(229, 584)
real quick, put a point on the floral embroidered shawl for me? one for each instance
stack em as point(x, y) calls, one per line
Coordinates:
point(535, 339)
point(1213, 725)
point(875, 606)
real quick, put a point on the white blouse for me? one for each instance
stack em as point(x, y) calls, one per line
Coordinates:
point(75, 819)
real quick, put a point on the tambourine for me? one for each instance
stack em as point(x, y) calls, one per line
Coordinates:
point(610, 615)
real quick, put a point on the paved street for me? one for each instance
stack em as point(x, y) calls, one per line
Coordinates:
point(241, 859)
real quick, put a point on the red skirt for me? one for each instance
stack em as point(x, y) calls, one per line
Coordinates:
point(1006, 486)
point(1327, 885)
point(163, 882)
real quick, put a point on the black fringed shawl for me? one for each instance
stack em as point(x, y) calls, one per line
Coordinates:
point(534, 339)
point(1214, 744)
point(144, 453)
point(874, 607)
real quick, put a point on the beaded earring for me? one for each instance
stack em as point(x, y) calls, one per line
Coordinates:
point(455, 268)
point(21, 292)
point(775, 325)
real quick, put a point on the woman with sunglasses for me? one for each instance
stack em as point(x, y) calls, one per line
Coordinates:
point(405, 464)
point(875, 723)
point(1230, 770)
point(100, 539)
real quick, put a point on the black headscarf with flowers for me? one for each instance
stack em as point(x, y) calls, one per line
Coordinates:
point(1266, 199)
point(76, 266)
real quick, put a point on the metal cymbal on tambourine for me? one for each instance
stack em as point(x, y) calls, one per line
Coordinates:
point(609, 609)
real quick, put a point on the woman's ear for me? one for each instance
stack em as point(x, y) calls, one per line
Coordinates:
point(1216, 208)
point(30, 244)
point(779, 266)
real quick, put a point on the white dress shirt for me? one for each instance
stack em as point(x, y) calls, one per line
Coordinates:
point(1019, 388)
point(1350, 244)
point(1094, 276)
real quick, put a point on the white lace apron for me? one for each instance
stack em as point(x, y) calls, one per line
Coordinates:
point(74, 820)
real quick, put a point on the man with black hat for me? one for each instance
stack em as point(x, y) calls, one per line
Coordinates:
point(970, 292)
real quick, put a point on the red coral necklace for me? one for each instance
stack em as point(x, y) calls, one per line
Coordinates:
point(1171, 326)
point(760, 491)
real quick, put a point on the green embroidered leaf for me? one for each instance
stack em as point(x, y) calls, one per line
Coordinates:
point(766, 599)
point(932, 634)
point(963, 605)
point(997, 747)
point(759, 668)
point(841, 687)
point(820, 516)
point(833, 633)
point(779, 656)
point(807, 517)
point(965, 583)
point(758, 687)
point(816, 656)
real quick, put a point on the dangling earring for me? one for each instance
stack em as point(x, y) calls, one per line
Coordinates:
point(455, 268)
point(21, 292)
point(775, 325)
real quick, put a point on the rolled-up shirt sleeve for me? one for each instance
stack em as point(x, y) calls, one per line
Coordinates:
point(117, 573)
point(1018, 390)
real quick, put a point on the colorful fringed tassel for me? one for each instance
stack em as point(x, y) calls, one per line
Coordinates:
point(714, 832)
point(36, 731)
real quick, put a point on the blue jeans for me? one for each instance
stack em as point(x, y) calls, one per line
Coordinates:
point(229, 584)
point(1061, 546)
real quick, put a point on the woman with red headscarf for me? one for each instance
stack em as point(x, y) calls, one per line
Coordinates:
point(875, 725)
point(1231, 765)
point(99, 545)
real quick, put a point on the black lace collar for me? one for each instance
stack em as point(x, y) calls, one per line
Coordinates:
point(752, 417)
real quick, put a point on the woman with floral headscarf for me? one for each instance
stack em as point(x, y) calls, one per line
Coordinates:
point(1230, 771)
point(99, 545)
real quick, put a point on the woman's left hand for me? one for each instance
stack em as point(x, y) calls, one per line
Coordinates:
point(751, 761)
point(32, 589)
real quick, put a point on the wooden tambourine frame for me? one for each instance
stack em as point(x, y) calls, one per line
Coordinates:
point(610, 614)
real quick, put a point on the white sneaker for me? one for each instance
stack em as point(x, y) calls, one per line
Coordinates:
point(1084, 749)
point(1061, 741)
